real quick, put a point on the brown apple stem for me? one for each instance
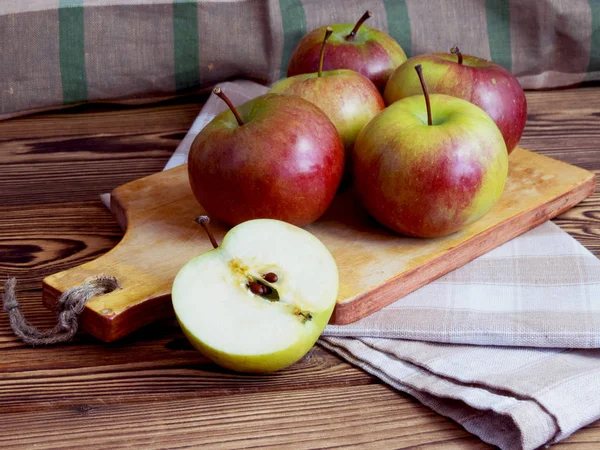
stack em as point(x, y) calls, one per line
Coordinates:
point(328, 32)
point(222, 96)
point(204, 221)
point(362, 20)
point(456, 51)
point(425, 93)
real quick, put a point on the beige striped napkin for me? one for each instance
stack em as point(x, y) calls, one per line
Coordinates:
point(542, 289)
point(512, 397)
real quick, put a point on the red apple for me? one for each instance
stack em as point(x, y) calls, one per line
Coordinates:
point(483, 83)
point(348, 98)
point(429, 167)
point(276, 157)
point(361, 48)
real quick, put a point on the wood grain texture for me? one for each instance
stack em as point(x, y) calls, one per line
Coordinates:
point(150, 389)
point(87, 154)
point(376, 267)
point(299, 419)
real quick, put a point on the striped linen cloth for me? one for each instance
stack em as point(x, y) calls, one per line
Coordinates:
point(507, 345)
point(55, 53)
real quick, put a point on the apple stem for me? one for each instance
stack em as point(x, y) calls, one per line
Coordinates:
point(362, 20)
point(222, 96)
point(328, 32)
point(456, 51)
point(204, 221)
point(425, 93)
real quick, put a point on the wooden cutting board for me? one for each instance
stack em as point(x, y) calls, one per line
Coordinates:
point(376, 267)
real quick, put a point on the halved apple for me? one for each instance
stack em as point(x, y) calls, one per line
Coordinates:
point(260, 300)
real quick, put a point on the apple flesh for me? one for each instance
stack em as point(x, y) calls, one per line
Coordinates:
point(246, 332)
point(372, 53)
point(348, 98)
point(483, 83)
point(429, 180)
point(285, 162)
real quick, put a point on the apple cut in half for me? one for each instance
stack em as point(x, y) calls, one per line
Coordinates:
point(260, 300)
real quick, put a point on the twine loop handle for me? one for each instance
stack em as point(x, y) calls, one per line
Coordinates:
point(70, 305)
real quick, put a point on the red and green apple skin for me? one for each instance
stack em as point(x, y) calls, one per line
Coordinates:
point(348, 98)
point(483, 83)
point(372, 53)
point(429, 180)
point(286, 162)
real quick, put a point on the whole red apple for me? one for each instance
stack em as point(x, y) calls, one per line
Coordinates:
point(348, 98)
point(483, 83)
point(276, 157)
point(359, 47)
point(429, 171)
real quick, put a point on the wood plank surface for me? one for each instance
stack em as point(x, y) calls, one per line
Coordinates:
point(151, 390)
point(376, 267)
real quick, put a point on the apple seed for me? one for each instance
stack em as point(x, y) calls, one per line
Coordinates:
point(271, 277)
point(258, 288)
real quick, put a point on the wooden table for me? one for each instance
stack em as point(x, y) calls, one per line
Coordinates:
point(152, 390)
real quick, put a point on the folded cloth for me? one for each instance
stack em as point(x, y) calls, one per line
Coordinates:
point(541, 289)
point(511, 397)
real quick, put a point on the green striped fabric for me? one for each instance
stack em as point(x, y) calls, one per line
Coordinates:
point(398, 23)
point(72, 51)
point(186, 44)
point(293, 20)
point(594, 65)
point(117, 49)
point(498, 27)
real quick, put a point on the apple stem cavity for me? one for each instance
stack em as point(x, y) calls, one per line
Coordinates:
point(204, 221)
point(419, 70)
point(456, 51)
point(222, 96)
point(328, 32)
point(362, 20)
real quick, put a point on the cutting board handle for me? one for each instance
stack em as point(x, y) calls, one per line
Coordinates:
point(151, 214)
